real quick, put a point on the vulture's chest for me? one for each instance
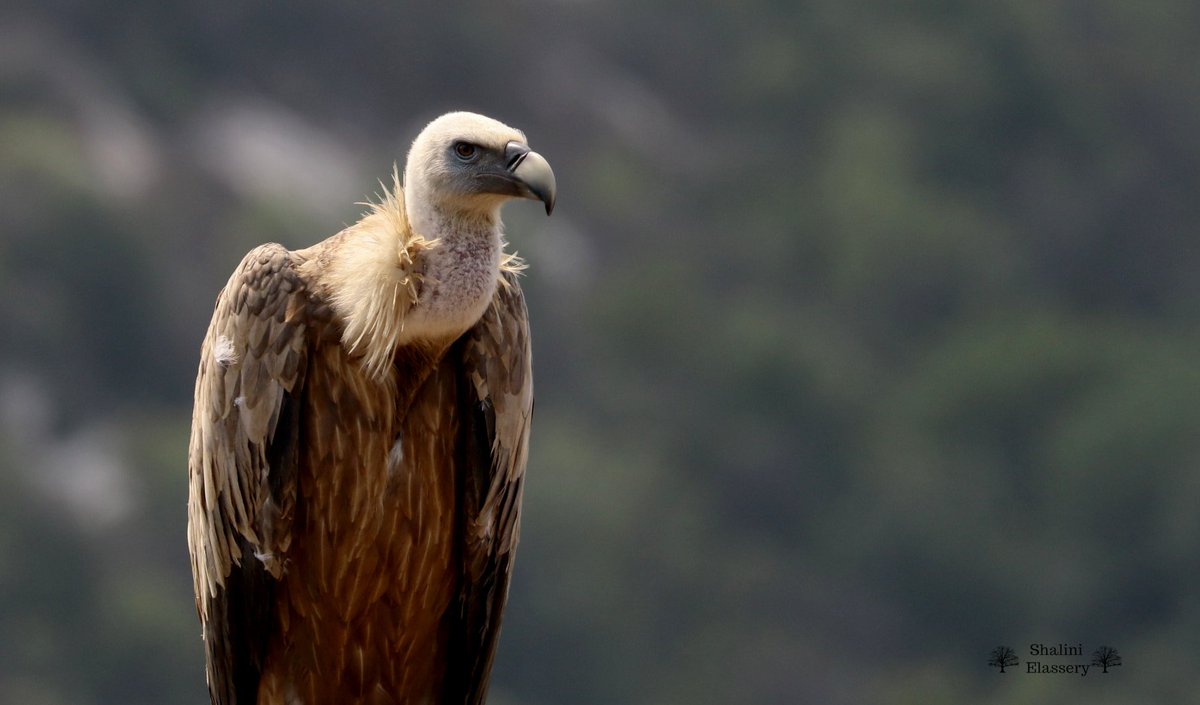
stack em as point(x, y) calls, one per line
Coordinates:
point(372, 561)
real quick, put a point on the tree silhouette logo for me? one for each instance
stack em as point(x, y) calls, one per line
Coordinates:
point(1106, 657)
point(1002, 657)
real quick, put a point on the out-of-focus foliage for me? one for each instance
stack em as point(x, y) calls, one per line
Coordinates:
point(866, 334)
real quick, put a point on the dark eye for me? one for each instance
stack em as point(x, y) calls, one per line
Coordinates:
point(465, 151)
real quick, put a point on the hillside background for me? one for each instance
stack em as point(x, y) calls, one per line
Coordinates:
point(866, 333)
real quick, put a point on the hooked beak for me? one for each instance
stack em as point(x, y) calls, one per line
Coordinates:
point(532, 172)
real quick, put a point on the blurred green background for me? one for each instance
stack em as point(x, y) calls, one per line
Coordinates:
point(865, 333)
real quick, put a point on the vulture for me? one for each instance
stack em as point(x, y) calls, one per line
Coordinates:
point(359, 438)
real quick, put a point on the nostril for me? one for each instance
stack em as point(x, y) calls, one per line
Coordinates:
point(514, 154)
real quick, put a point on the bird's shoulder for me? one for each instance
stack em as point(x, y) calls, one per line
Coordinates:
point(277, 285)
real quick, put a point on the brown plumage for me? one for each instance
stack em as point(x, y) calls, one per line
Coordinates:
point(359, 442)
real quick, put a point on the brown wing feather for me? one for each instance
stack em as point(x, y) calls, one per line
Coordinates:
point(242, 463)
point(496, 403)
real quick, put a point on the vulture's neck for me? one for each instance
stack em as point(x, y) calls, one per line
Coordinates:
point(396, 281)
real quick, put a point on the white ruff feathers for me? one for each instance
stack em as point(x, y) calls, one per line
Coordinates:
point(376, 279)
point(374, 282)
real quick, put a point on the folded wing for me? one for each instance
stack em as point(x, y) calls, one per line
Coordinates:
point(242, 463)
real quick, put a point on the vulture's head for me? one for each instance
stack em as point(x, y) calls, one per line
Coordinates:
point(469, 165)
